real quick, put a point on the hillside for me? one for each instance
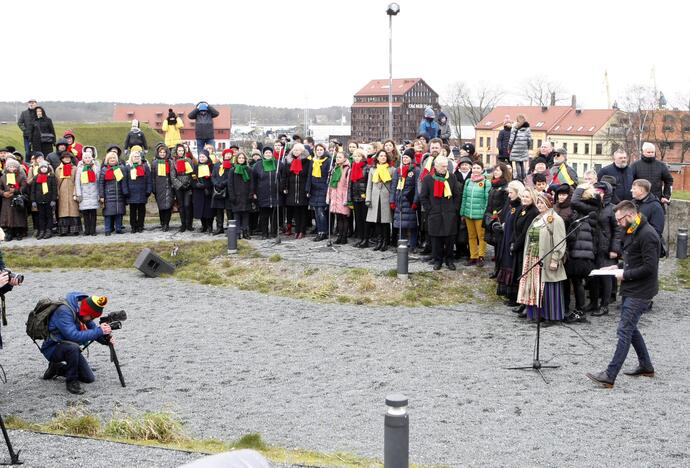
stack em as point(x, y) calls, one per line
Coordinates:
point(63, 111)
point(99, 135)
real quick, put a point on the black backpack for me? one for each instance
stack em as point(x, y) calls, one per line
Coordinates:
point(37, 322)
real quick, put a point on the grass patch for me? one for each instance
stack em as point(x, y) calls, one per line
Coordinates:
point(681, 195)
point(163, 429)
point(207, 263)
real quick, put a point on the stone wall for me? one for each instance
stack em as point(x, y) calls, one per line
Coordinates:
point(678, 216)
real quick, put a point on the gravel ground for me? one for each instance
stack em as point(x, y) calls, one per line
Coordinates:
point(315, 375)
point(50, 451)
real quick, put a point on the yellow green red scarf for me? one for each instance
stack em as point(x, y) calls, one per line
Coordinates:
point(381, 174)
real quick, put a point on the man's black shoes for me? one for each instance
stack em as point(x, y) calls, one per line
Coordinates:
point(73, 386)
point(54, 369)
point(641, 371)
point(601, 378)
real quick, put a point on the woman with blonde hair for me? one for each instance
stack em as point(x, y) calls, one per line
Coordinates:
point(518, 145)
point(504, 257)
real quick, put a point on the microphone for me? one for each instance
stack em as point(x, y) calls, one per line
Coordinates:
point(592, 215)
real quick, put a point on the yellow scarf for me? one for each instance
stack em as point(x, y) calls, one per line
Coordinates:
point(316, 167)
point(633, 227)
point(381, 174)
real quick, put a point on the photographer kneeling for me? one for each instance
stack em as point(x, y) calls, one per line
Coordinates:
point(69, 327)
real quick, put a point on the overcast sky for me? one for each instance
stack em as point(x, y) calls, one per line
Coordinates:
point(319, 53)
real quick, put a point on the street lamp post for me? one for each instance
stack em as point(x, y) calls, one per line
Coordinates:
point(393, 9)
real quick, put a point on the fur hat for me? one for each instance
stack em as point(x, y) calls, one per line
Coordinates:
point(469, 147)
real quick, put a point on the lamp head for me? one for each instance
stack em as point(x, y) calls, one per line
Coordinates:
point(393, 9)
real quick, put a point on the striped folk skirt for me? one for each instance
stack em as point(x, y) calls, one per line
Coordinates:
point(543, 300)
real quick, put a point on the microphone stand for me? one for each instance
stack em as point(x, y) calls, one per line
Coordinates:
point(276, 241)
point(536, 363)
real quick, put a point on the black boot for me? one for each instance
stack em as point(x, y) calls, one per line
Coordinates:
point(73, 386)
point(365, 244)
point(379, 245)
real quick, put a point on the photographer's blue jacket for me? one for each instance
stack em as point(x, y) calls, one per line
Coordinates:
point(64, 325)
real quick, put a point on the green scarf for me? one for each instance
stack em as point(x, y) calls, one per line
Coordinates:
point(335, 177)
point(241, 169)
point(269, 164)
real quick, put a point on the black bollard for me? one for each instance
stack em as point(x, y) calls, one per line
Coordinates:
point(232, 237)
point(682, 243)
point(403, 259)
point(396, 434)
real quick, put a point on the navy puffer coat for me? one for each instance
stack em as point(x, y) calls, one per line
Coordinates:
point(318, 186)
point(404, 199)
point(266, 186)
point(113, 192)
point(141, 187)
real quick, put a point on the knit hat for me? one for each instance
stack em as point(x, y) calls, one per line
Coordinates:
point(409, 152)
point(562, 151)
point(563, 188)
point(429, 113)
point(93, 306)
point(115, 148)
point(135, 123)
point(202, 106)
point(205, 153)
point(256, 152)
point(611, 180)
point(469, 147)
point(226, 151)
point(546, 198)
point(136, 149)
point(43, 163)
point(540, 159)
point(11, 162)
point(38, 154)
point(465, 160)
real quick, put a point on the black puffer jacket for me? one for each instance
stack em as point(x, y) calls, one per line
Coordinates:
point(582, 244)
point(657, 173)
point(266, 186)
point(180, 180)
point(523, 218)
point(358, 189)
point(609, 233)
point(135, 137)
point(43, 125)
point(239, 191)
point(498, 198)
point(203, 122)
point(297, 185)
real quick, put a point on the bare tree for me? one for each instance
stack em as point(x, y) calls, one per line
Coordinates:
point(453, 106)
point(539, 90)
point(475, 103)
point(640, 105)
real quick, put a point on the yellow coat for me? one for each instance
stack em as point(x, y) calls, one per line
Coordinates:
point(172, 133)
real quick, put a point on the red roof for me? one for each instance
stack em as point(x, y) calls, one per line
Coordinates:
point(539, 118)
point(154, 113)
point(582, 122)
point(380, 87)
point(375, 104)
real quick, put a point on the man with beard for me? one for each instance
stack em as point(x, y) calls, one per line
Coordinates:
point(656, 172)
point(639, 284)
point(622, 172)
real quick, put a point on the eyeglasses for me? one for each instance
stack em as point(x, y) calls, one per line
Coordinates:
point(618, 220)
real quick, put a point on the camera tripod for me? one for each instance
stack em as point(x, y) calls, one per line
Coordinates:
point(14, 456)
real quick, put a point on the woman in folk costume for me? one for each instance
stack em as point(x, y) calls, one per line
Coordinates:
point(202, 190)
point(44, 196)
point(541, 289)
point(240, 189)
point(359, 175)
point(161, 185)
point(69, 221)
point(295, 179)
point(318, 187)
point(112, 191)
point(31, 173)
point(220, 202)
point(139, 182)
point(12, 188)
point(86, 188)
point(404, 204)
point(266, 192)
point(338, 197)
point(378, 199)
point(181, 170)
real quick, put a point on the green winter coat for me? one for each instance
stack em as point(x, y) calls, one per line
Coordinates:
point(475, 198)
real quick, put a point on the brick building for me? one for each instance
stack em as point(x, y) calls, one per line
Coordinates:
point(154, 114)
point(370, 109)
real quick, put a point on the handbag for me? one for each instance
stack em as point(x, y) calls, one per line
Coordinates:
point(47, 137)
point(219, 193)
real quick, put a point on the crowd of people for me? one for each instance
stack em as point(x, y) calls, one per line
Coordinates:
point(443, 200)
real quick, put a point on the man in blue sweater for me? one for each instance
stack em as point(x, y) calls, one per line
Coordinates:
point(70, 326)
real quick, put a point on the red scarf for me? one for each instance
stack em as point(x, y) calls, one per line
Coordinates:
point(109, 174)
point(296, 166)
point(91, 175)
point(404, 170)
point(418, 158)
point(180, 166)
point(227, 164)
point(140, 171)
point(357, 171)
point(370, 161)
point(41, 178)
point(67, 169)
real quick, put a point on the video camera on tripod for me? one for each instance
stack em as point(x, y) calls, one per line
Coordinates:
point(114, 319)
